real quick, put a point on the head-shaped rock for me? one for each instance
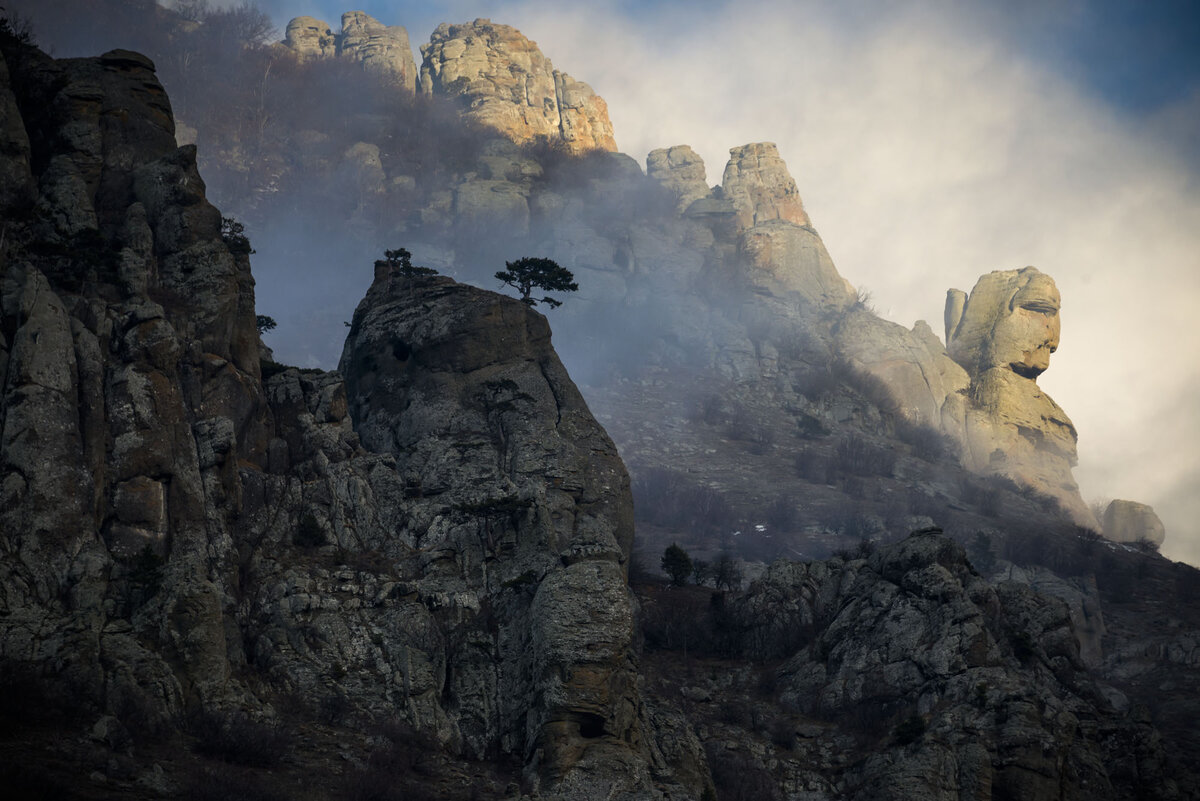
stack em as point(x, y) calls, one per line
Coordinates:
point(1010, 320)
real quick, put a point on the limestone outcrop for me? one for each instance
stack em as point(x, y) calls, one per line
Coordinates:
point(531, 496)
point(310, 37)
point(504, 81)
point(777, 247)
point(382, 49)
point(1130, 521)
point(681, 171)
point(912, 363)
point(183, 538)
point(758, 183)
point(1003, 334)
point(130, 398)
point(966, 689)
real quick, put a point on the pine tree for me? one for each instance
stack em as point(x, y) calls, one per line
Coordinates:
point(528, 274)
point(677, 564)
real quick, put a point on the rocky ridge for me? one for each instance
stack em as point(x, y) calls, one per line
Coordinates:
point(383, 49)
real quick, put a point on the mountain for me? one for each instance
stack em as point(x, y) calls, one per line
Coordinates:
point(426, 574)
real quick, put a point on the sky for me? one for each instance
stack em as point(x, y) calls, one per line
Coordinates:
point(933, 142)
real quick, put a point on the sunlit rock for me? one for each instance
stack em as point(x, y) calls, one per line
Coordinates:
point(505, 82)
point(760, 187)
point(382, 49)
point(680, 170)
point(1003, 334)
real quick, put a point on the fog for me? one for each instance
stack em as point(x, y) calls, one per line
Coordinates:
point(932, 142)
point(930, 150)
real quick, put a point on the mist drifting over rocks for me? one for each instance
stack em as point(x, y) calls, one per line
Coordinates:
point(429, 572)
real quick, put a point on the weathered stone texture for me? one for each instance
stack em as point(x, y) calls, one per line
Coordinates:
point(131, 343)
point(680, 170)
point(758, 184)
point(994, 672)
point(530, 494)
point(504, 81)
point(1003, 334)
point(382, 49)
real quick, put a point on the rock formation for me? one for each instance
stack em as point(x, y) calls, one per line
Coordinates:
point(503, 81)
point(1003, 334)
point(912, 363)
point(1130, 521)
point(778, 251)
point(529, 508)
point(680, 170)
point(758, 184)
point(382, 49)
point(439, 539)
point(183, 538)
point(906, 675)
point(131, 394)
point(310, 37)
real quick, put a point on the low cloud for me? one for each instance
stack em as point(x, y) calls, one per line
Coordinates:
point(931, 144)
point(929, 151)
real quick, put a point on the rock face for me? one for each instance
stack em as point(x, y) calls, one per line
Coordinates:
point(529, 509)
point(913, 364)
point(382, 49)
point(1130, 521)
point(130, 396)
point(503, 81)
point(758, 184)
point(310, 37)
point(964, 689)
point(680, 170)
point(779, 250)
point(1003, 334)
point(182, 537)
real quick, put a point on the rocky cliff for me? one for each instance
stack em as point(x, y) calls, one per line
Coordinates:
point(183, 539)
point(407, 578)
point(504, 81)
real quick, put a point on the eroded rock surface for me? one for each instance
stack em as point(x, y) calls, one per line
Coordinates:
point(960, 688)
point(758, 183)
point(130, 399)
point(681, 170)
point(519, 499)
point(1003, 334)
point(504, 81)
point(382, 49)
point(183, 537)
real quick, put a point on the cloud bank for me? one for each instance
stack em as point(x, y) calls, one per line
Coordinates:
point(934, 142)
point(928, 151)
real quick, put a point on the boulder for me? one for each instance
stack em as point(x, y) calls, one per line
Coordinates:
point(309, 37)
point(1130, 521)
point(505, 82)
